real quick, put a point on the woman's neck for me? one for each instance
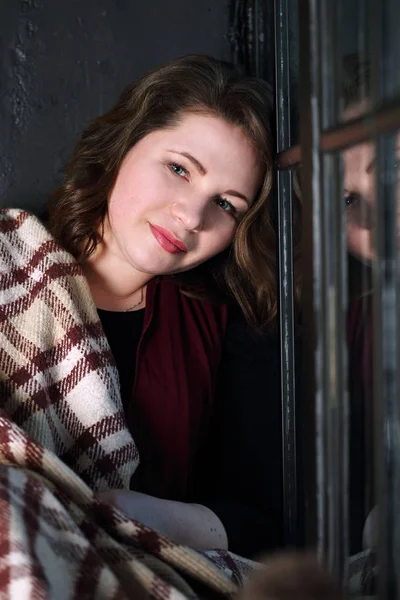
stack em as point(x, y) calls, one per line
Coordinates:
point(114, 285)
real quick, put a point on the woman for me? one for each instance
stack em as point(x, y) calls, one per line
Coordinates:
point(164, 205)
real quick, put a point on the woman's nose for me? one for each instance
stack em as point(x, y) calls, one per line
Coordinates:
point(189, 213)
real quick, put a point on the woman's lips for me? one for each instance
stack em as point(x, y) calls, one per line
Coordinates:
point(167, 241)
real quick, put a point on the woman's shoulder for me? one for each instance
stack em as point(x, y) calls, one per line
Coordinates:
point(191, 308)
point(14, 215)
point(15, 219)
point(25, 238)
point(20, 223)
point(195, 294)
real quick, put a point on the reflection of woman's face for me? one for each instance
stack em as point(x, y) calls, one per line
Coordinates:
point(359, 189)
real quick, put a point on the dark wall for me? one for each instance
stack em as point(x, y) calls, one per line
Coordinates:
point(63, 62)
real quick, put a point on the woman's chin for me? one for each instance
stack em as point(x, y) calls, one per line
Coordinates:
point(364, 258)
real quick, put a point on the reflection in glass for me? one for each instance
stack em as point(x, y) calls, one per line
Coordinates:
point(360, 200)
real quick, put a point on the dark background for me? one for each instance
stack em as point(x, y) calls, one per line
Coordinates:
point(63, 62)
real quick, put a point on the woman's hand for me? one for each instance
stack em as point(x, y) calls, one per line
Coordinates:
point(148, 510)
point(192, 525)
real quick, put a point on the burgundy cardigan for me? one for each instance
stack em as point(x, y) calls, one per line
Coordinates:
point(177, 361)
point(361, 385)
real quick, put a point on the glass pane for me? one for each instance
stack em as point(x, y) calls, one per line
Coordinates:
point(350, 279)
point(359, 199)
point(360, 51)
point(293, 14)
point(371, 186)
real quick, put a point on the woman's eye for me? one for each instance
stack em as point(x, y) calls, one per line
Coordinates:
point(359, 211)
point(350, 199)
point(225, 205)
point(178, 170)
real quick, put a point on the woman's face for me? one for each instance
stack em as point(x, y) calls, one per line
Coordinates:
point(359, 189)
point(180, 194)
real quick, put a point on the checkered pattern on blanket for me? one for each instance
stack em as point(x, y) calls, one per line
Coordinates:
point(58, 541)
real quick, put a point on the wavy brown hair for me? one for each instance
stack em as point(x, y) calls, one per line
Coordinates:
point(155, 101)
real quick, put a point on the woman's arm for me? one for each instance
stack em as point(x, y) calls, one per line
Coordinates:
point(192, 525)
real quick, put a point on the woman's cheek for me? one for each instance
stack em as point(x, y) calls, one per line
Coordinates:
point(360, 243)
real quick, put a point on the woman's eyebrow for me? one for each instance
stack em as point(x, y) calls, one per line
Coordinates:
point(238, 195)
point(202, 170)
point(371, 166)
point(372, 163)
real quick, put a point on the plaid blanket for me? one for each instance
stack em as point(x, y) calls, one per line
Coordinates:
point(363, 574)
point(63, 437)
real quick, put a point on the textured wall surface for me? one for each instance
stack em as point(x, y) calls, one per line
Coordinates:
point(63, 62)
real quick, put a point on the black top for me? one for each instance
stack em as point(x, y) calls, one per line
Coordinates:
point(238, 474)
point(245, 490)
point(123, 331)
